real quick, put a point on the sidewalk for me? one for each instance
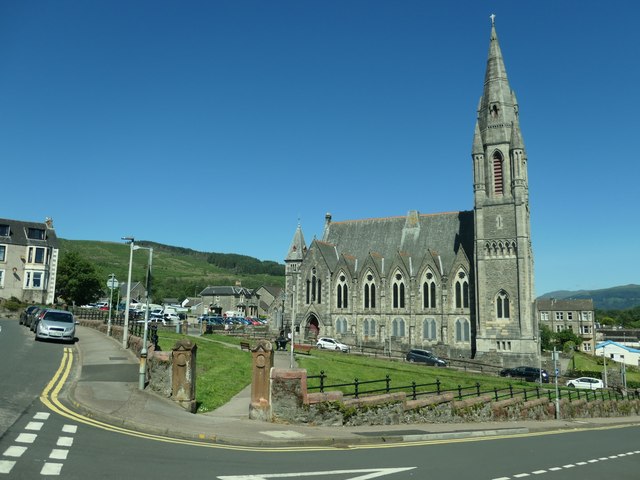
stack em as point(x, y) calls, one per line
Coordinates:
point(105, 387)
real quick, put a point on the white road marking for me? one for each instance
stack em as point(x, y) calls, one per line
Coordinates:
point(521, 475)
point(65, 441)
point(369, 473)
point(70, 428)
point(6, 466)
point(570, 465)
point(59, 454)
point(26, 438)
point(593, 461)
point(555, 469)
point(41, 416)
point(51, 469)
point(581, 463)
point(37, 426)
point(14, 451)
point(539, 472)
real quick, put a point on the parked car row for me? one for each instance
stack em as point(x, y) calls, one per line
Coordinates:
point(220, 320)
point(49, 323)
point(529, 374)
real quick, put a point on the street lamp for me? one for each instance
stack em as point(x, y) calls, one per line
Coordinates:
point(125, 332)
point(143, 353)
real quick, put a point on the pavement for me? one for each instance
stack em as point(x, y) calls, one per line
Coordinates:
point(104, 387)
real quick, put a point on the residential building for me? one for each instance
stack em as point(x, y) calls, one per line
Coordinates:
point(459, 283)
point(220, 299)
point(577, 316)
point(28, 260)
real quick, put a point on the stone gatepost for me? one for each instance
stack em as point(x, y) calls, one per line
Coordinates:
point(183, 378)
point(259, 408)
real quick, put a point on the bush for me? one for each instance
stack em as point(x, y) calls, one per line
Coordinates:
point(13, 304)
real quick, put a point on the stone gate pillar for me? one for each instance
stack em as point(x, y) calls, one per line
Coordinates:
point(259, 408)
point(183, 378)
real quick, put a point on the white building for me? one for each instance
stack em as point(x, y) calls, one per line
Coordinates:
point(618, 353)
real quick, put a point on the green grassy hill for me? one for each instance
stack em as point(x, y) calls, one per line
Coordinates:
point(177, 272)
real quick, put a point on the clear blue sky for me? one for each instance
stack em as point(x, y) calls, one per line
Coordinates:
point(218, 125)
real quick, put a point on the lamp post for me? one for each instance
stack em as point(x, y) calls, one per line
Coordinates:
point(125, 332)
point(111, 283)
point(143, 353)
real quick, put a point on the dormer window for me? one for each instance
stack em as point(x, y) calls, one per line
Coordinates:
point(4, 230)
point(35, 233)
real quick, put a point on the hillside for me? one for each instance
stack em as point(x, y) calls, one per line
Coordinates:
point(177, 272)
point(615, 298)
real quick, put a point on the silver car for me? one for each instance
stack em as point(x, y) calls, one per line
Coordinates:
point(56, 325)
point(332, 344)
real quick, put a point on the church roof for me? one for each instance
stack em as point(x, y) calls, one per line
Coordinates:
point(413, 235)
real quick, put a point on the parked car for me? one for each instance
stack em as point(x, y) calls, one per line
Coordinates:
point(25, 313)
point(530, 374)
point(35, 318)
point(424, 356)
point(56, 325)
point(332, 344)
point(589, 383)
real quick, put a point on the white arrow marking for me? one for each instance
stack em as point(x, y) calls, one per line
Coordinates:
point(369, 473)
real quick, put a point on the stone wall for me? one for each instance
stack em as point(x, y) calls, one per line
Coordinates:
point(291, 403)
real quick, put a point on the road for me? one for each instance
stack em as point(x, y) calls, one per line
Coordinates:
point(38, 441)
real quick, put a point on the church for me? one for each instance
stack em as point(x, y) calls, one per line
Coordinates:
point(459, 283)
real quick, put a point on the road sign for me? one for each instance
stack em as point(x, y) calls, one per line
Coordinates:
point(112, 283)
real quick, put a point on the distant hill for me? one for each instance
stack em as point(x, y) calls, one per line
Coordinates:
point(614, 298)
point(177, 272)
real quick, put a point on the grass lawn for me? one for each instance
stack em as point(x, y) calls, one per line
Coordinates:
point(223, 370)
point(587, 362)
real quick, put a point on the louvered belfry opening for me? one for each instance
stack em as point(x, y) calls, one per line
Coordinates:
point(498, 183)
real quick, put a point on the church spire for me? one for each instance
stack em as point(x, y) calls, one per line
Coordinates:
point(298, 247)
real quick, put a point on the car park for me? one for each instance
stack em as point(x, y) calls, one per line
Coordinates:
point(529, 374)
point(332, 344)
point(424, 356)
point(56, 325)
point(588, 383)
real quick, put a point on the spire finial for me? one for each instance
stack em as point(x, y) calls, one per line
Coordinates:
point(493, 19)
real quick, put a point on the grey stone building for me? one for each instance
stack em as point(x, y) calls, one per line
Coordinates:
point(28, 261)
point(218, 300)
point(576, 315)
point(458, 283)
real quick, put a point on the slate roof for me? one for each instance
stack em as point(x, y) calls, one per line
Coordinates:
point(553, 305)
point(226, 291)
point(18, 234)
point(413, 235)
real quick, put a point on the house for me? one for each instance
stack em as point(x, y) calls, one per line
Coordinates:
point(28, 260)
point(618, 353)
point(271, 302)
point(219, 299)
point(577, 316)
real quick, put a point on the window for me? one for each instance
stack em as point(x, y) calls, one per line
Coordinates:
point(3, 253)
point(33, 280)
point(313, 291)
point(429, 329)
point(586, 347)
point(569, 315)
point(559, 315)
point(342, 292)
point(398, 291)
point(429, 291)
point(462, 330)
point(502, 305)
point(341, 325)
point(462, 291)
point(559, 328)
point(4, 230)
point(369, 292)
point(369, 327)
point(498, 180)
point(1, 278)
point(36, 255)
point(585, 329)
point(544, 316)
point(397, 327)
point(585, 316)
point(35, 233)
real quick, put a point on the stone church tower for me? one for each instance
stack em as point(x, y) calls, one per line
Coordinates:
point(503, 255)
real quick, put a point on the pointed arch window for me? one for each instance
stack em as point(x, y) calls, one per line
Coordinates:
point(397, 327)
point(369, 292)
point(398, 291)
point(498, 173)
point(462, 330)
point(342, 292)
point(429, 291)
point(369, 327)
point(429, 329)
point(313, 290)
point(502, 305)
point(462, 291)
point(341, 325)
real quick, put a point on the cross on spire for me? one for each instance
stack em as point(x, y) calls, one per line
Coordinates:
point(493, 18)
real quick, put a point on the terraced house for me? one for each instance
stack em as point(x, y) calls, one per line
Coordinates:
point(458, 283)
point(28, 260)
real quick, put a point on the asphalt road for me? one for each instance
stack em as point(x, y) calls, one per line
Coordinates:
point(36, 442)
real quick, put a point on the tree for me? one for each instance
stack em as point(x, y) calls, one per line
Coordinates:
point(546, 337)
point(567, 337)
point(77, 281)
